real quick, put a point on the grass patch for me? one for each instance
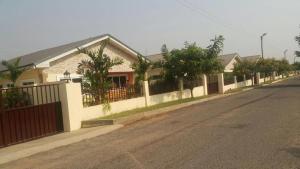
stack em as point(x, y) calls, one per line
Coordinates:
point(150, 108)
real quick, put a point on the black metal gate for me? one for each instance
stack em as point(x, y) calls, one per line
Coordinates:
point(212, 84)
point(29, 113)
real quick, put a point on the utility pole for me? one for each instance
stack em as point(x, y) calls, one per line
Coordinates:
point(284, 53)
point(262, 44)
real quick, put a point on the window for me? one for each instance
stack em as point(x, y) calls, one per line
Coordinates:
point(9, 85)
point(118, 81)
point(29, 82)
point(75, 78)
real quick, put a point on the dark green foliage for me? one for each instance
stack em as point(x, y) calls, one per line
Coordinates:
point(297, 38)
point(228, 78)
point(140, 68)
point(296, 66)
point(162, 86)
point(12, 98)
point(13, 70)
point(191, 61)
point(244, 67)
point(211, 62)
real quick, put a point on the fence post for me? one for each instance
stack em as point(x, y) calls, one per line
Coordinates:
point(181, 87)
point(274, 75)
point(258, 78)
point(221, 82)
point(204, 84)
point(235, 81)
point(146, 92)
point(71, 104)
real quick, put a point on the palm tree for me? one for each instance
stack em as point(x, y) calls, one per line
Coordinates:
point(13, 69)
point(95, 72)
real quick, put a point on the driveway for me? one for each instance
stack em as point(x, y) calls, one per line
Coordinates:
point(255, 129)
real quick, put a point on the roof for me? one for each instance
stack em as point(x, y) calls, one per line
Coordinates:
point(155, 58)
point(226, 59)
point(40, 56)
point(253, 58)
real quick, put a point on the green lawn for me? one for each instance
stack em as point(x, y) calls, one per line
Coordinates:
point(144, 109)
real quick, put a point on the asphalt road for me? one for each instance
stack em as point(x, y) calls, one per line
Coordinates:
point(258, 129)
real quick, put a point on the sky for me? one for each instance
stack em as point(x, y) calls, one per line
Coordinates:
point(30, 25)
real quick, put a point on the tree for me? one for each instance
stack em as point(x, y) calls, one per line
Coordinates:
point(266, 66)
point(296, 66)
point(191, 61)
point(297, 38)
point(244, 67)
point(283, 66)
point(211, 63)
point(13, 69)
point(95, 71)
point(140, 68)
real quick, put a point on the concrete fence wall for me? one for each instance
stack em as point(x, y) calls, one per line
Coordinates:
point(74, 112)
point(116, 107)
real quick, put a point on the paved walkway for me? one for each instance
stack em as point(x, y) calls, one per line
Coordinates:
point(44, 144)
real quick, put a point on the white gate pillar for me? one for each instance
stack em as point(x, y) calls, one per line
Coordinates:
point(204, 84)
point(71, 104)
point(221, 83)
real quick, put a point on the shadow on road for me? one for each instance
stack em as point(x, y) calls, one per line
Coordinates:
point(280, 86)
point(294, 151)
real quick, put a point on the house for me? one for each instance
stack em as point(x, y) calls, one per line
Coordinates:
point(49, 65)
point(229, 60)
point(154, 59)
point(254, 58)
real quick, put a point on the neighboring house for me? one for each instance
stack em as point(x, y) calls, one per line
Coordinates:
point(229, 60)
point(49, 65)
point(254, 58)
point(154, 59)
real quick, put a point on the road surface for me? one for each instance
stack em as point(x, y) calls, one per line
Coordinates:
point(252, 130)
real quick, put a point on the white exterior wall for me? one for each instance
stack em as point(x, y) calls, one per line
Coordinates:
point(130, 104)
point(229, 87)
point(261, 80)
point(166, 97)
point(198, 91)
point(116, 107)
point(249, 82)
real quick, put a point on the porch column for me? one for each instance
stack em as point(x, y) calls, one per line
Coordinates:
point(71, 104)
point(146, 92)
point(221, 83)
point(204, 84)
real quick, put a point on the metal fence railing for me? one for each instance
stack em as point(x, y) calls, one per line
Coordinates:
point(228, 78)
point(113, 95)
point(162, 86)
point(16, 97)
